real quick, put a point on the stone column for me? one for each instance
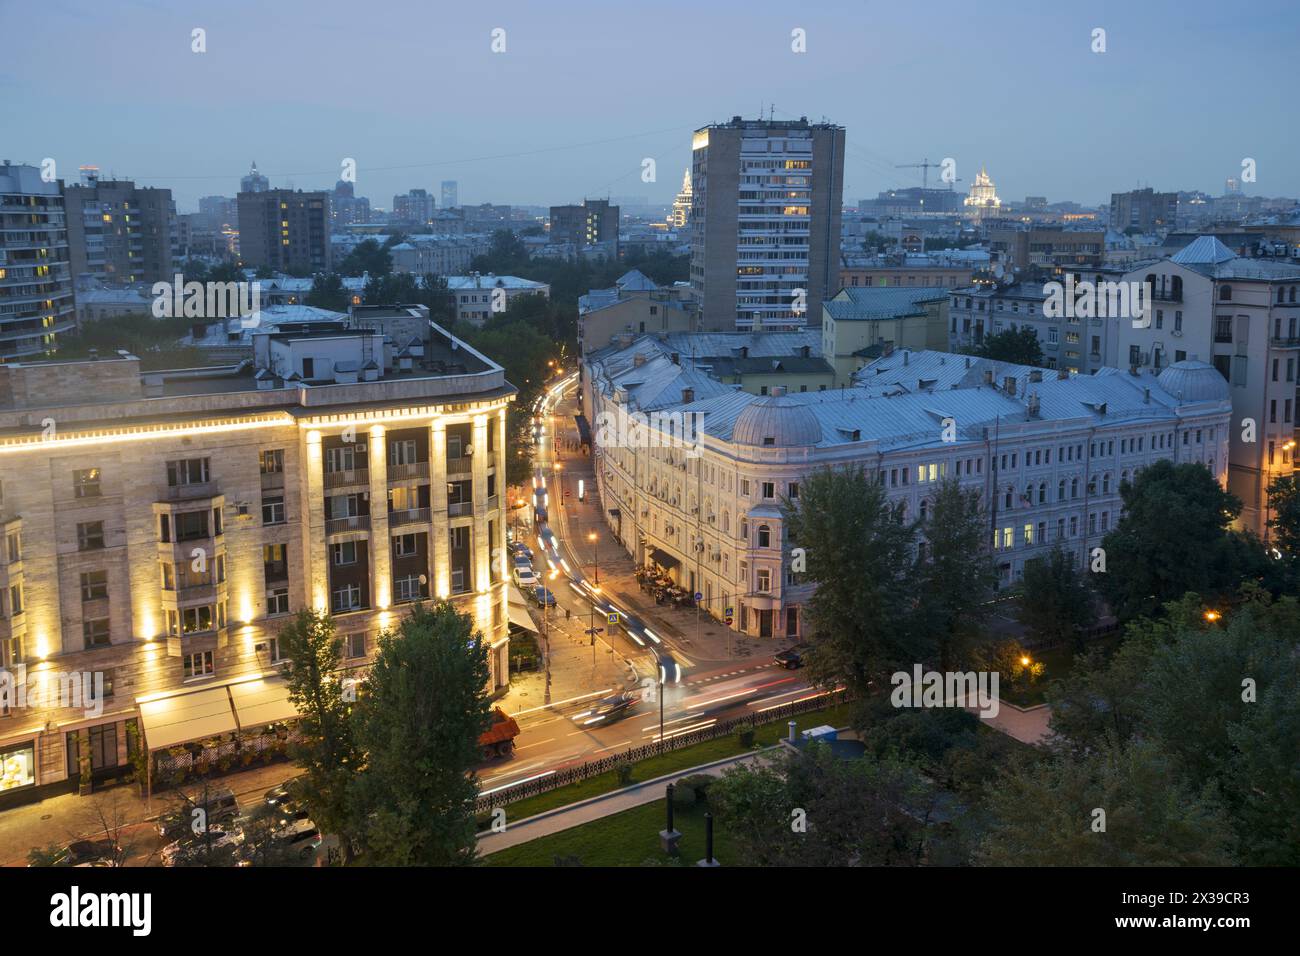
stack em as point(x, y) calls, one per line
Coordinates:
point(481, 545)
point(314, 548)
point(381, 550)
point(441, 525)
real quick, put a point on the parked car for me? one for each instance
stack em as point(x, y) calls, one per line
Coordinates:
point(525, 577)
point(521, 550)
point(285, 793)
point(219, 806)
point(544, 597)
point(219, 839)
point(299, 836)
point(791, 657)
point(89, 853)
point(607, 710)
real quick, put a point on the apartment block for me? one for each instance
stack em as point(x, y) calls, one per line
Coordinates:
point(36, 288)
point(765, 222)
point(285, 230)
point(161, 527)
point(120, 232)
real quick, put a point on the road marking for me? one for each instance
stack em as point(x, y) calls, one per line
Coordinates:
point(535, 743)
point(559, 703)
point(623, 743)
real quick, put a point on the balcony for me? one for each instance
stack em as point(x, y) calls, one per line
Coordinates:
point(461, 465)
point(355, 476)
point(1284, 342)
point(457, 508)
point(397, 519)
point(189, 491)
point(414, 469)
point(272, 480)
point(344, 525)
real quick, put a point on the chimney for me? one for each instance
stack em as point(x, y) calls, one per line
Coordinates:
point(1062, 373)
point(677, 358)
point(688, 396)
point(1036, 375)
point(777, 391)
point(988, 376)
point(968, 361)
point(1009, 383)
point(1033, 405)
point(1146, 396)
point(638, 360)
point(888, 350)
point(907, 357)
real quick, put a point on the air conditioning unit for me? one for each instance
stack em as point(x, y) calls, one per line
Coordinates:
point(241, 509)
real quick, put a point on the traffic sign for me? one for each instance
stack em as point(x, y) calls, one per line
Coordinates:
point(729, 613)
point(612, 617)
point(699, 596)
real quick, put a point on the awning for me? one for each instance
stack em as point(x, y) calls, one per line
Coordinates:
point(584, 430)
point(518, 610)
point(184, 717)
point(663, 558)
point(262, 701)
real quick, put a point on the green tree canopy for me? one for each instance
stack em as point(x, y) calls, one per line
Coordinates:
point(1019, 346)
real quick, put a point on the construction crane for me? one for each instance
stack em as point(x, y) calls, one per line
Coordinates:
point(924, 166)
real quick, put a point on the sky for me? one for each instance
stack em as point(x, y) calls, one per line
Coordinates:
point(584, 92)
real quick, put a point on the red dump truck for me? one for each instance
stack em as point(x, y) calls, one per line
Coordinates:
point(499, 739)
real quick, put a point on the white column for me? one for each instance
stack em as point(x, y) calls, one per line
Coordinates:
point(381, 568)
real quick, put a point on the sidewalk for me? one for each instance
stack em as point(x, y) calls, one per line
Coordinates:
point(703, 638)
point(606, 804)
point(69, 817)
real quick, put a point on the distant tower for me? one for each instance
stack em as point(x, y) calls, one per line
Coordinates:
point(681, 213)
point(450, 194)
point(983, 199)
point(1232, 187)
point(254, 182)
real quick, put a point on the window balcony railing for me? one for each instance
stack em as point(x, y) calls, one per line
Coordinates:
point(190, 490)
point(457, 508)
point(414, 469)
point(460, 465)
point(1284, 342)
point(407, 516)
point(272, 479)
point(353, 476)
point(343, 525)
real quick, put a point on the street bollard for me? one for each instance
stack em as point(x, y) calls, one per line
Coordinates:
point(669, 837)
point(708, 843)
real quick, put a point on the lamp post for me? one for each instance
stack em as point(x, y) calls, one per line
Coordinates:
point(519, 504)
point(595, 541)
point(559, 477)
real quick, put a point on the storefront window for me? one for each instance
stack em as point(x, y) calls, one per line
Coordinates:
point(17, 767)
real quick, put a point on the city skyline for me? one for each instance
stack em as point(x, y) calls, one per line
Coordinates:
point(508, 148)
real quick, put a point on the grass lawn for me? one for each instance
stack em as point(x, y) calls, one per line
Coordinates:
point(1057, 662)
point(707, 752)
point(630, 838)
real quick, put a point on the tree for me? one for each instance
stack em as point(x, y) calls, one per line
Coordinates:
point(1055, 603)
point(1014, 665)
point(367, 257)
point(1044, 812)
point(328, 292)
point(858, 549)
point(865, 812)
point(1284, 516)
point(326, 745)
point(1173, 538)
point(1018, 346)
point(953, 571)
point(420, 715)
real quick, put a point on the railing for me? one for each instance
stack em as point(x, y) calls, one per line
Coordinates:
point(194, 489)
point(460, 466)
point(414, 469)
point(272, 479)
point(354, 476)
point(408, 516)
point(1284, 342)
point(354, 523)
point(457, 508)
point(592, 768)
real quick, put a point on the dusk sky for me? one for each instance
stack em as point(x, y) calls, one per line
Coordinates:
point(586, 90)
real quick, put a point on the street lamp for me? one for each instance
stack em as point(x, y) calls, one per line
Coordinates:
point(1212, 616)
point(595, 540)
point(559, 477)
point(518, 506)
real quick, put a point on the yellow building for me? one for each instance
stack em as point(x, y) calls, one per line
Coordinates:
point(861, 324)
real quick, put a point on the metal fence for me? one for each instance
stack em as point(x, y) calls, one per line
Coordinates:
point(593, 768)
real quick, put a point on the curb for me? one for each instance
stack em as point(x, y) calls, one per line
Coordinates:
point(663, 779)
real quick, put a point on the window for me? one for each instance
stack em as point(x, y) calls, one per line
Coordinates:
point(275, 562)
point(94, 585)
point(274, 651)
point(764, 536)
point(198, 665)
point(85, 483)
point(343, 553)
point(344, 458)
point(347, 598)
point(405, 545)
point(769, 489)
point(402, 452)
point(271, 461)
point(95, 632)
point(196, 620)
point(191, 525)
point(187, 471)
point(277, 602)
point(792, 491)
point(14, 545)
point(407, 588)
point(764, 580)
point(354, 646)
point(90, 536)
point(273, 510)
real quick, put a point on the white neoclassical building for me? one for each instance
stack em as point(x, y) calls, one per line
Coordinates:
point(699, 488)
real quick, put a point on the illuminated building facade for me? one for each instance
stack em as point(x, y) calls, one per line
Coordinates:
point(160, 527)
